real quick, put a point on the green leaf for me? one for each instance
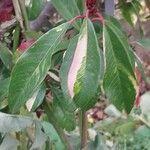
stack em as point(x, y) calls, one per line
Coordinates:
point(80, 71)
point(32, 67)
point(68, 9)
point(80, 5)
point(34, 8)
point(5, 56)
point(36, 100)
point(125, 128)
point(145, 42)
point(98, 144)
point(143, 131)
point(119, 79)
point(4, 85)
point(14, 123)
point(39, 98)
point(133, 8)
point(62, 111)
point(53, 136)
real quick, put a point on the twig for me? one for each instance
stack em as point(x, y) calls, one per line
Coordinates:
point(24, 14)
point(18, 13)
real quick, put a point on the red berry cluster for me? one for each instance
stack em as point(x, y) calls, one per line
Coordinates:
point(91, 6)
point(91, 12)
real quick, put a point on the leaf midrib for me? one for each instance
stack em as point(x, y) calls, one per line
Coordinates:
point(26, 83)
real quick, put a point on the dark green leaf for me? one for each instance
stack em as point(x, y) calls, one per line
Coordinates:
point(80, 5)
point(119, 80)
point(4, 85)
point(5, 56)
point(32, 67)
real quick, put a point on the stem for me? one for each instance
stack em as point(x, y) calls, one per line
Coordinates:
point(18, 13)
point(59, 130)
point(16, 36)
point(24, 14)
point(83, 128)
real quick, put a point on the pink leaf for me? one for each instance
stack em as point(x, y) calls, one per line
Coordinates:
point(80, 53)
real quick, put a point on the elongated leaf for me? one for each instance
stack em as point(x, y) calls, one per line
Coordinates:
point(32, 67)
point(12, 123)
point(4, 85)
point(80, 5)
point(36, 100)
point(53, 136)
point(119, 80)
point(62, 111)
point(39, 98)
point(81, 66)
point(68, 9)
point(5, 56)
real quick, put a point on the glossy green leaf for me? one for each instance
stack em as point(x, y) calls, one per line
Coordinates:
point(119, 79)
point(68, 9)
point(62, 111)
point(4, 85)
point(12, 123)
point(32, 67)
point(80, 71)
point(5, 56)
point(53, 136)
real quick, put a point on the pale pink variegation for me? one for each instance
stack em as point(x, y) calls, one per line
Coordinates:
point(80, 53)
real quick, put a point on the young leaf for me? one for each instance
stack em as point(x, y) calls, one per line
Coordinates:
point(68, 9)
point(82, 67)
point(32, 67)
point(119, 79)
